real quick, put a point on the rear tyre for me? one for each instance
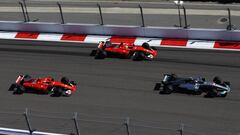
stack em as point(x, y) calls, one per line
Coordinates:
point(100, 54)
point(199, 92)
point(11, 88)
point(93, 53)
point(17, 89)
point(167, 89)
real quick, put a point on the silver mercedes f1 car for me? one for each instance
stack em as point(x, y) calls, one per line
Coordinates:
point(172, 83)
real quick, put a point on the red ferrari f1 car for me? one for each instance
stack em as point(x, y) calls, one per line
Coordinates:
point(46, 85)
point(124, 50)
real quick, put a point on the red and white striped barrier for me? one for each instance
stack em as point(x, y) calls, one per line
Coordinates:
point(157, 42)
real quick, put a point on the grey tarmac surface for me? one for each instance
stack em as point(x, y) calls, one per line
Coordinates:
point(110, 90)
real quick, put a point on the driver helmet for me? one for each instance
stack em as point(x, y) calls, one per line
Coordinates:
point(108, 43)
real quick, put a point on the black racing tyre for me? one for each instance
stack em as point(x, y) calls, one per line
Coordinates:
point(73, 83)
point(93, 53)
point(65, 80)
point(199, 92)
point(157, 86)
point(211, 93)
point(56, 92)
point(138, 56)
point(149, 57)
point(129, 56)
point(100, 54)
point(146, 45)
point(174, 76)
point(217, 80)
point(223, 95)
point(18, 89)
point(67, 93)
point(167, 89)
point(227, 83)
point(12, 87)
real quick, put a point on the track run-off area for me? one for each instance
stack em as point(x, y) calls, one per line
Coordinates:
point(113, 89)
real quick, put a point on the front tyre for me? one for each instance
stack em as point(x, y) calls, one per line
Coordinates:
point(149, 57)
point(146, 45)
point(211, 93)
point(65, 80)
point(56, 92)
point(223, 95)
point(67, 93)
point(137, 56)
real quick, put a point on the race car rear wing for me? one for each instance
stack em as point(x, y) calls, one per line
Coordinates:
point(19, 79)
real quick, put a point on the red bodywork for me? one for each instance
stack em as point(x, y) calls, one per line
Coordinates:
point(43, 85)
point(125, 49)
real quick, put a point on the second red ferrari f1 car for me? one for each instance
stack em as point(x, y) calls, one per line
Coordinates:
point(45, 85)
point(124, 50)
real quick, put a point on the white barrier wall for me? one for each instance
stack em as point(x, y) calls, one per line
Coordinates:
point(10, 131)
point(120, 30)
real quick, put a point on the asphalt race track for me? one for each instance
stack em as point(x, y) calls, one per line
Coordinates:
point(110, 90)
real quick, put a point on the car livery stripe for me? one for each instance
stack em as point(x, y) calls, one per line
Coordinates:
point(73, 37)
point(27, 35)
point(157, 42)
